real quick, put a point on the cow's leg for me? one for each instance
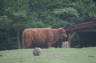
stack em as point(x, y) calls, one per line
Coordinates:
point(49, 44)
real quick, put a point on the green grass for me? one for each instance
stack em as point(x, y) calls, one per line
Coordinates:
point(51, 55)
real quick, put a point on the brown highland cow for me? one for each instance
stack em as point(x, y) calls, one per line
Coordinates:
point(48, 36)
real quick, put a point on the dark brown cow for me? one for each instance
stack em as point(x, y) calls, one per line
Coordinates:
point(42, 35)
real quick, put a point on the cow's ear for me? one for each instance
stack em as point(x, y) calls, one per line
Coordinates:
point(61, 30)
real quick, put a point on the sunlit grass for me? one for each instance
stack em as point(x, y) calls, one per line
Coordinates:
point(51, 55)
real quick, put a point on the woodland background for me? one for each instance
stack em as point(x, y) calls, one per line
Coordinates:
point(16, 15)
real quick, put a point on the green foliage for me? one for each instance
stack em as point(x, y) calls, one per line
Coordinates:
point(16, 15)
point(67, 11)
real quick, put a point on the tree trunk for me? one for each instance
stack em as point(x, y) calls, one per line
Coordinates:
point(70, 38)
point(67, 44)
point(18, 39)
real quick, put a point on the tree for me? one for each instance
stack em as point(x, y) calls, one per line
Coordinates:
point(16, 15)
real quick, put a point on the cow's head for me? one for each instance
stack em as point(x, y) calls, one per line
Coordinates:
point(63, 33)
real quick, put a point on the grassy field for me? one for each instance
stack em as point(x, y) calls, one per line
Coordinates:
point(51, 55)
